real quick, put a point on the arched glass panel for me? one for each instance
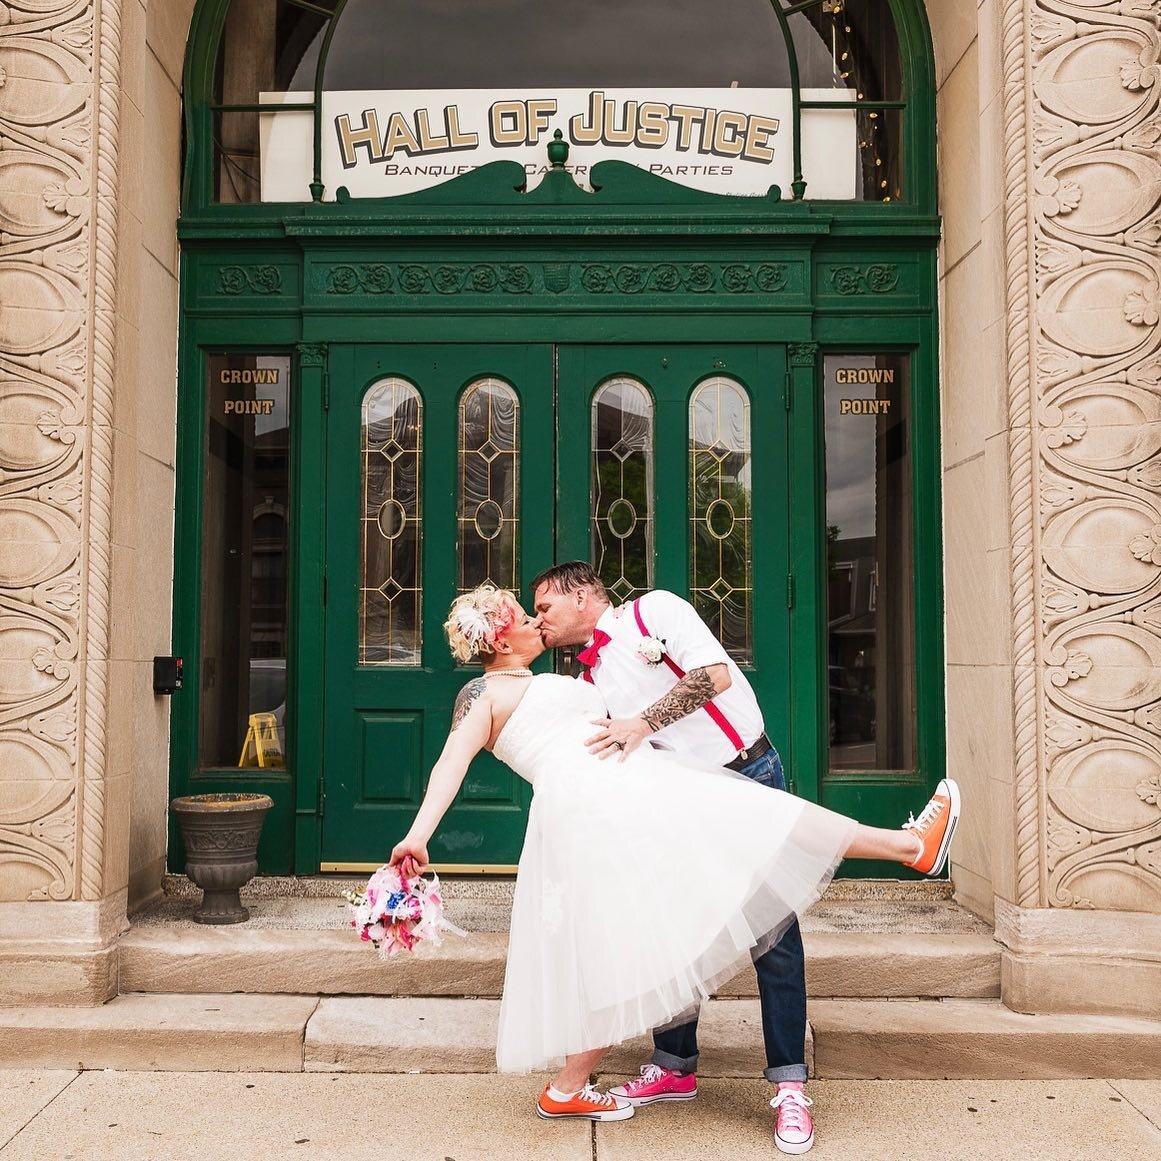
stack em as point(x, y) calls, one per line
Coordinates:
point(621, 543)
point(390, 594)
point(848, 52)
point(262, 47)
point(845, 69)
point(488, 508)
point(719, 512)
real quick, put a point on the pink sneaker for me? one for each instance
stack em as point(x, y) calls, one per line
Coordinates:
point(794, 1129)
point(657, 1084)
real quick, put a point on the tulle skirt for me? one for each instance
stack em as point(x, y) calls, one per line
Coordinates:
point(642, 887)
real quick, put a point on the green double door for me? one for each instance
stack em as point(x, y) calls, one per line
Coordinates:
point(448, 465)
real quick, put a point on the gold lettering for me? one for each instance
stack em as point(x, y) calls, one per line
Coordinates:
point(399, 136)
point(365, 137)
point(759, 130)
point(459, 139)
point(539, 112)
point(686, 116)
point(429, 142)
point(628, 130)
point(505, 113)
point(653, 122)
point(733, 124)
point(581, 133)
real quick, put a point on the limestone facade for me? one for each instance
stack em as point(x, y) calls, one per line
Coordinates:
point(1050, 183)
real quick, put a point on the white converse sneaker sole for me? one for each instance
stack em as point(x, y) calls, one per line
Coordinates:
point(620, 1114)
point(652, 1100)
point(794, 1148)
point(952, 822)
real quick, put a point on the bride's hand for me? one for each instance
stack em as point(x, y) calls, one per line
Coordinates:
point(617, 736)
point(416, 852)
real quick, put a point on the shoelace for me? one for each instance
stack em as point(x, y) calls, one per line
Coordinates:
point(792, 1105)
point(590, 1095)
point(926, 817)
point(649, 1073)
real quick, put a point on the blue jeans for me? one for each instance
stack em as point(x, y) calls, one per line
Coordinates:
point(781, 986)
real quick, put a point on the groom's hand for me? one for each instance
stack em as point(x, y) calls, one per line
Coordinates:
point(617, 736)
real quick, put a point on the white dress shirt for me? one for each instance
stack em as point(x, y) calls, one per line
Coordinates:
point(629, 684)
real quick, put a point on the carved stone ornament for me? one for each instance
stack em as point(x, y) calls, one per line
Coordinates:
point(591, 278)
point(60, 90)
point(1082, 84)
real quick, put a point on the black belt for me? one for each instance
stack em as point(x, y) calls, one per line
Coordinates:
point(745, 757)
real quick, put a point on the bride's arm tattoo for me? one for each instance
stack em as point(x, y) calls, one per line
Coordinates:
point(689, 694)
point(467, 698)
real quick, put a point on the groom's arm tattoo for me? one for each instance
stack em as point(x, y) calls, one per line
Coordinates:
point(465, 699)
point(689, 694)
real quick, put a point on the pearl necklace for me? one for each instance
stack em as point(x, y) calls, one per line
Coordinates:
point(512, 672)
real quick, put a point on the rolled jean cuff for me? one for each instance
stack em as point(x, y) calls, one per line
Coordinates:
point(786, 1072)
point(673, 1063)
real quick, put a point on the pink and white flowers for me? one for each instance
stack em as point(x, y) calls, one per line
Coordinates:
point(651, 650)
point(397, 910)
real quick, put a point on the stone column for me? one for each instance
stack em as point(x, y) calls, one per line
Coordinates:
point(62, 841)
point(1082, 179)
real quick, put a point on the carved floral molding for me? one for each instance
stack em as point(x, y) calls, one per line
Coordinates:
point(1083, 187)
point(58, 148)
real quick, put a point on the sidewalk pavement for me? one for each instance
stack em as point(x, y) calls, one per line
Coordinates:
point(204, 1116)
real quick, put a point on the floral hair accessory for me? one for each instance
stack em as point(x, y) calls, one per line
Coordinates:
point(396, 910)
point(651, 650)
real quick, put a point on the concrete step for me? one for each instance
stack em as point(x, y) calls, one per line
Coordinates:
point(193, 959)
point(851, 1039)
point(161, 1034)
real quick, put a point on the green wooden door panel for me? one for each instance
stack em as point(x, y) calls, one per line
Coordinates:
point(385, 724)
point(671, 373)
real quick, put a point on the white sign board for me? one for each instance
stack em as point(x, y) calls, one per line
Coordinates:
point(731, 141)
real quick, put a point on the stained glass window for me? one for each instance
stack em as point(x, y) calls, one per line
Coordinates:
point(719, 512)
point(390, 595)
point(622, 488)
point(488, 510)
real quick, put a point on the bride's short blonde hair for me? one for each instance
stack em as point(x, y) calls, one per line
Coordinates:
point(477, 618)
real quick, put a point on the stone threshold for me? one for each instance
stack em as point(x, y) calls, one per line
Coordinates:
point(916, 944)
point(850, 1039)
point(333, 962)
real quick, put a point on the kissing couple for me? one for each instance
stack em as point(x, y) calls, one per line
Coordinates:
point(661, 846)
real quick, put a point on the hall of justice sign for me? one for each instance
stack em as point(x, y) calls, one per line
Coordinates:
point(735, 141)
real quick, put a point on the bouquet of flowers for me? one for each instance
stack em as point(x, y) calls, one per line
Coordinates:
point(398, 909)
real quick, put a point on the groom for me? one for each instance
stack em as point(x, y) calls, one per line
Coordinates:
point(667, 679)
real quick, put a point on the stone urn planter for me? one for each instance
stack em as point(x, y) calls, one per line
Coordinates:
point(221, 833)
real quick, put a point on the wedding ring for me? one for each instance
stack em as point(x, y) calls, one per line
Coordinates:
point(619, 745)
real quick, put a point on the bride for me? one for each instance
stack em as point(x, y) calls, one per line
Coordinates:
point(597, 955)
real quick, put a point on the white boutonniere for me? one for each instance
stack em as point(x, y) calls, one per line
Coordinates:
point(651, 650)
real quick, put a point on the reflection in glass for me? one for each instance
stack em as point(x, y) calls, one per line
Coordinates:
point(390, 595)
point(245, 562)
point(849, 46)
point(847, 50)
point(621, 540)
point(719, 512)
point(263, 44)
point(870, 612)
point(488, 511)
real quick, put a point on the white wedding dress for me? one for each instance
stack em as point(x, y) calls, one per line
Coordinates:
point(642, 883)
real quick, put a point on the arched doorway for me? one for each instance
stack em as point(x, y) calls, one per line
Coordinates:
point(723, 389)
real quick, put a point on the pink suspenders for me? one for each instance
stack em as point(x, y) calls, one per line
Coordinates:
point(720, 719)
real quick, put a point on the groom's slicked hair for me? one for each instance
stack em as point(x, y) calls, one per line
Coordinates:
point(567, 577)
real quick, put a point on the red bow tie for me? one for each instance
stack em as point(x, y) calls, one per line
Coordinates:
point(591, 653)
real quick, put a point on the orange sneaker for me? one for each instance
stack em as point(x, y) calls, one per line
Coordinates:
point(934, 828)
point(587, 1104)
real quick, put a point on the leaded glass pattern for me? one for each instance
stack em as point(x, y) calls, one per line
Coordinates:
point(488, 502)
point(390, 594)
point(720, 512)
point(622, 488)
